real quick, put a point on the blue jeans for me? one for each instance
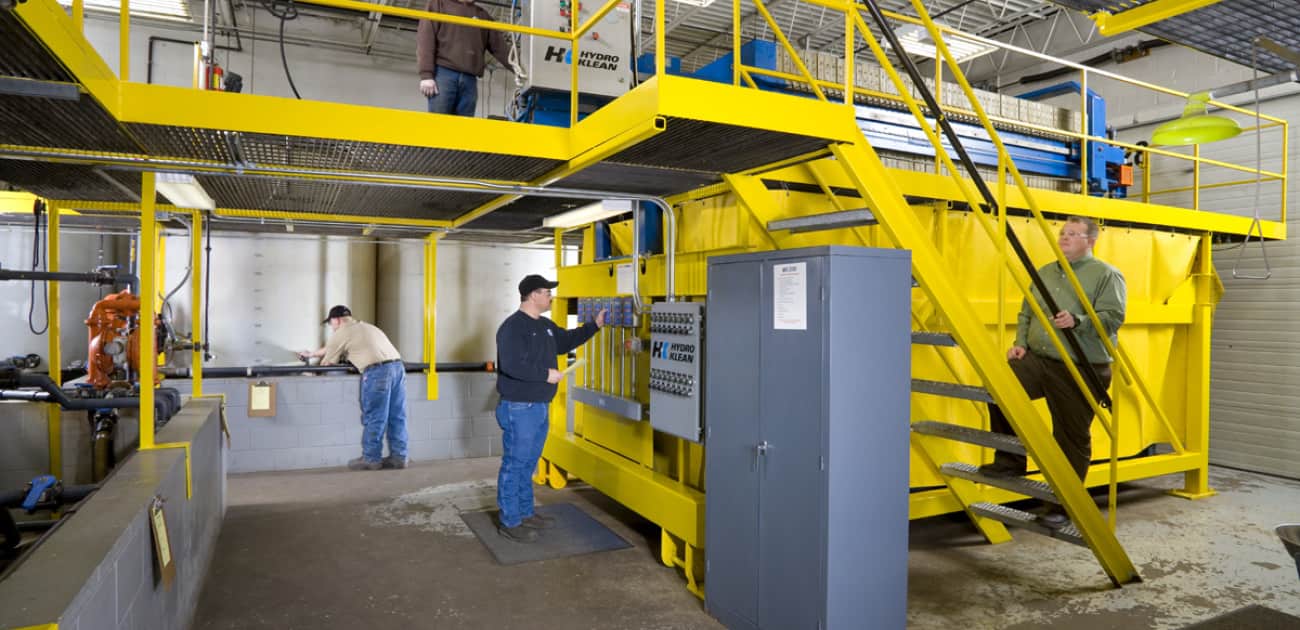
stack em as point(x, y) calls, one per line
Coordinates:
point(383, 411)
point(457, 93)
point(525, 425)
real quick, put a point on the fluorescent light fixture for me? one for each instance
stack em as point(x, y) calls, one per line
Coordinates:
point(916, 41)
point(696, 3)
point(169, 9)
point(589, 213)
point(184, 191)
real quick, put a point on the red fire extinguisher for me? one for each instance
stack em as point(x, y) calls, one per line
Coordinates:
point(215, 77)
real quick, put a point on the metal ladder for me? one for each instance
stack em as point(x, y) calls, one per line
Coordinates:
point(891, 211)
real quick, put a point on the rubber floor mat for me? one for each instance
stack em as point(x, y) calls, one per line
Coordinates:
point(575, 533)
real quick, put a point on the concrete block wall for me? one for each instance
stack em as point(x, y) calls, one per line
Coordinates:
point(318, 420)
point(97, 571)
point(25, 445)
point(24, 449)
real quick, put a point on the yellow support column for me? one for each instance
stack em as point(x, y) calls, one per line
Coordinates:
point(55, 359)
point(1196, 482)
point(124, 42)
point(430, 313)
point(148, 234)
point(196, 303)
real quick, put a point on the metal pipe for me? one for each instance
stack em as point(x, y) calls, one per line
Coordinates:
point(57, 395)
point(147, 164)
point(104, 277)
point(284, 370)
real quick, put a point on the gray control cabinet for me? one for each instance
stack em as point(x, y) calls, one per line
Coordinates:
point(676, 332)
point(806, 411)
point(604, 54)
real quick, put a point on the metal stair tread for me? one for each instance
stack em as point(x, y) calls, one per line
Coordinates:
point(824, 221)
point(951, 390)
point(1024, 520)
point(1019, 485)
point(997, 441)
point(929, 338)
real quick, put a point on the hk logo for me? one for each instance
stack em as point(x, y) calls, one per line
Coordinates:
point(556, 54)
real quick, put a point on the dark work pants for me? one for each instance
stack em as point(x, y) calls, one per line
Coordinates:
point(1071, 416)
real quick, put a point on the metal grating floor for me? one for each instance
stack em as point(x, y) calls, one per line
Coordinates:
point(1224, 29)
point(25, 56)
point(637, 179)
point(319, 153)
point(70, 181)
point(295, 195)
point(716, 148)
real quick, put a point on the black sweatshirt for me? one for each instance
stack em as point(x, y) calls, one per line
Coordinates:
point(526, 350)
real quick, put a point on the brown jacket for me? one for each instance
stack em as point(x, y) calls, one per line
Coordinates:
point(454, 46)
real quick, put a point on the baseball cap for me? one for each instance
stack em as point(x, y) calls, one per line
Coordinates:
point(337, 311)
point(534, 282)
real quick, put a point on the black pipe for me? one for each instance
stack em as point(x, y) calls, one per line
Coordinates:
point(285, 370)
point(69, 494)
point(990, 202)
point(105, 277)
point(29, 379)
point(9, 534)
point(207, 286)
point(1117, 55)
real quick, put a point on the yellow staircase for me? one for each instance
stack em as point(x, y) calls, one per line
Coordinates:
point(891, 211)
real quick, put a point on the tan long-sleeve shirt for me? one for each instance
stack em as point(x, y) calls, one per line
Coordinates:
point(360, 344)
point(455, 46)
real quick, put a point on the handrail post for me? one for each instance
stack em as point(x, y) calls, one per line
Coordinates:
point(1196, 177)
point(661, 58)
point(735, 41)
point(124, 41)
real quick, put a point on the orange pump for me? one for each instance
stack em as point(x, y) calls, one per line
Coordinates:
point(108, 349)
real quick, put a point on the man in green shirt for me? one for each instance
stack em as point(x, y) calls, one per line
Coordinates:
point(1039, 366)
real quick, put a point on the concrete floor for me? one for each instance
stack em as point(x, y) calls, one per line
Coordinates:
point(335, 549)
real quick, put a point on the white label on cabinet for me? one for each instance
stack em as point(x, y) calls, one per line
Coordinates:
point(790, 296)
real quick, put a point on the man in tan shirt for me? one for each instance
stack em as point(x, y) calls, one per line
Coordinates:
point(383, 386)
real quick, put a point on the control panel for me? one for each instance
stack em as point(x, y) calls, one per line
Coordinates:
point(604, 52)
point(621, 311)
point(676, 352)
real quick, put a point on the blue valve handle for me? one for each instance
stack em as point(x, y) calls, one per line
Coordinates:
point(38, 487)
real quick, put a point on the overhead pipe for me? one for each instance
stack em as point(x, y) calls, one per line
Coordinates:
point(131, 163)
point(106, 276)
point(287, 370)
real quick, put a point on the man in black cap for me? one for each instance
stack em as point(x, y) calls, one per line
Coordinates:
point(383, 386)
point(527, 347)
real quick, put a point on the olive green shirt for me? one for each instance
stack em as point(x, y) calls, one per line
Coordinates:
point(1104, 286)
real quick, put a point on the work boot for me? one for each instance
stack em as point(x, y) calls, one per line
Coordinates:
point(519, 533)
point(394, 463)
point(362, 463)
point(1054, 518)
point(539, 521)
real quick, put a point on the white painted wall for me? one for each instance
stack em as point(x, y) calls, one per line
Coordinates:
point(477, 289)
point(269, 293)
point(387, 78)
point(79, 252)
